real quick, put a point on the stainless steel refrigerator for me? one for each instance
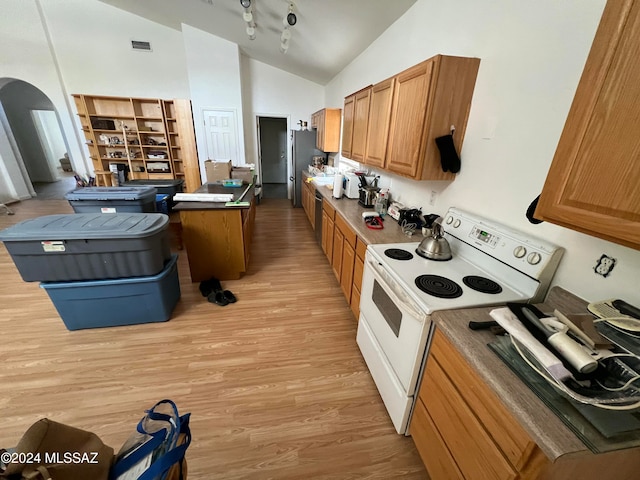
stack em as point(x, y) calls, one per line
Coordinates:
point(303, 148)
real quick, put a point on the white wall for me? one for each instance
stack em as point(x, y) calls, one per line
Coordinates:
point(532, 55)
point(92, 42)
point(213, 66)
point(269, 91)
point(83, 46)
point(25, 55)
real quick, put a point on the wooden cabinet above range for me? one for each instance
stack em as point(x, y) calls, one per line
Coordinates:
point(592, 185)
point(408, 111)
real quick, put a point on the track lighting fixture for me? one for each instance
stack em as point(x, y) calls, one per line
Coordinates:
point(288, 21)
point(247, 16)
point(291, 19)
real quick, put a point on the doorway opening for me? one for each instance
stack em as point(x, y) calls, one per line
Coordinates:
point(272, 152)
point(35, 140)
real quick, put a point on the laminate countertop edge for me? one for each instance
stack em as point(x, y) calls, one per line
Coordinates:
point(351, 211)
point(553, 437)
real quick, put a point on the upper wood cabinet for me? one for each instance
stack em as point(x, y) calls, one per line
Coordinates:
point(360, 123)
point(355, 124)
point(347, 125)
point(592, 184)
point(327, 125)
point(428, 99)
point(407, 112)
point(378, 126)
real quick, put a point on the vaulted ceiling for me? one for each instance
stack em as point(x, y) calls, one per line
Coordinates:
point(326, 37)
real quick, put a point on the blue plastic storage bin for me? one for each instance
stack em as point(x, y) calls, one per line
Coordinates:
point(110, 303)
point(162, 203)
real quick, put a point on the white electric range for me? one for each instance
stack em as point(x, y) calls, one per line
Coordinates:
point(491, 264)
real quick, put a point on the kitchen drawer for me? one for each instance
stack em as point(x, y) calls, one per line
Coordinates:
point(506, 432)
point(349, 235)
point(432, 449)
point(473, 448)
point(327, 207)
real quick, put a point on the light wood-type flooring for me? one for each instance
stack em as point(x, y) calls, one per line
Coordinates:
point(275, 383)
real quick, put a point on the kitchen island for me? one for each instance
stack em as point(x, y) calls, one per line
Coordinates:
point(475, 418)
point(217, 237)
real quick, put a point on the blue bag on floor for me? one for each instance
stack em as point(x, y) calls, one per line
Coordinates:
point(157, 450)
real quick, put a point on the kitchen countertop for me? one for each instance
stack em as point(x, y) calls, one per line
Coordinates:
point(552, 436)
point(351, 211)
point(217, 188)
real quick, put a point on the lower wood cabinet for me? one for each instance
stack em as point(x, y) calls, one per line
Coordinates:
point(462, 430)
point(432, 448)
point(345, 251)
point(358, 269)
point(308, 200)
point(227, 232)
point(459, 416)
point(328, 216)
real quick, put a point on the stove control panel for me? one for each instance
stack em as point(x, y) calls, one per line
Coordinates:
point(484, 236)
point(530, 255)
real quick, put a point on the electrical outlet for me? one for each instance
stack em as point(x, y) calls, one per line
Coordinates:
point(605, 265)
point(432, 198)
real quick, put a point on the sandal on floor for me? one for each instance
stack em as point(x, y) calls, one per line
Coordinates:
point(229, 296)
point(218, 298)
point(206, 288)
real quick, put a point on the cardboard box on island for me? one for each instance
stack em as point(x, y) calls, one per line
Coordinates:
point(244, 173)
point(217, 170)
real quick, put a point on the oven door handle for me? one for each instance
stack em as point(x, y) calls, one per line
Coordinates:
point(397, 296)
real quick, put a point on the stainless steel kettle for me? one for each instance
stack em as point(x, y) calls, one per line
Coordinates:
point(435, 247)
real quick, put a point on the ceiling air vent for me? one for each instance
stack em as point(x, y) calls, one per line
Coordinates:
point(138, 45)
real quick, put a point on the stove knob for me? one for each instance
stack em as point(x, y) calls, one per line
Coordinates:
point(519, 252)
point(534, 258)
point(456, 224)
point(449, 220)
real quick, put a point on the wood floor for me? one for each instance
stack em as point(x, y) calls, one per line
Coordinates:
point(275, 383)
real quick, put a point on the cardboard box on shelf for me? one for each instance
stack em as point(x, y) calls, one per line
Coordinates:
point(217, 171)
point(245, 173)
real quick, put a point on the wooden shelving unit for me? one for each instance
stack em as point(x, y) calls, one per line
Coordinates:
point(154, 138)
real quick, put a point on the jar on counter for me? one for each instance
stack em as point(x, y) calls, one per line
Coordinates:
point(381, 203)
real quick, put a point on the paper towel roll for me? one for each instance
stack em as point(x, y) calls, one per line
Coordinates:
point(337, 185)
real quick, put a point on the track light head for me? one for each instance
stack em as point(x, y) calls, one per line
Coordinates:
point(245, 3)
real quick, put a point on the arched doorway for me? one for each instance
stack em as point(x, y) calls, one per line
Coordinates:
point(33, 143)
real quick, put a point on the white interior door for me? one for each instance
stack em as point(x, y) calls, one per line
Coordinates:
point(222, 135)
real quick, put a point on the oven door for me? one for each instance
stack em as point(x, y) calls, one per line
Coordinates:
point(400, 327)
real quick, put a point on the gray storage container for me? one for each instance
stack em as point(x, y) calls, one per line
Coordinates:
point(167, 186)
point(113, 199)
point(61, 248)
